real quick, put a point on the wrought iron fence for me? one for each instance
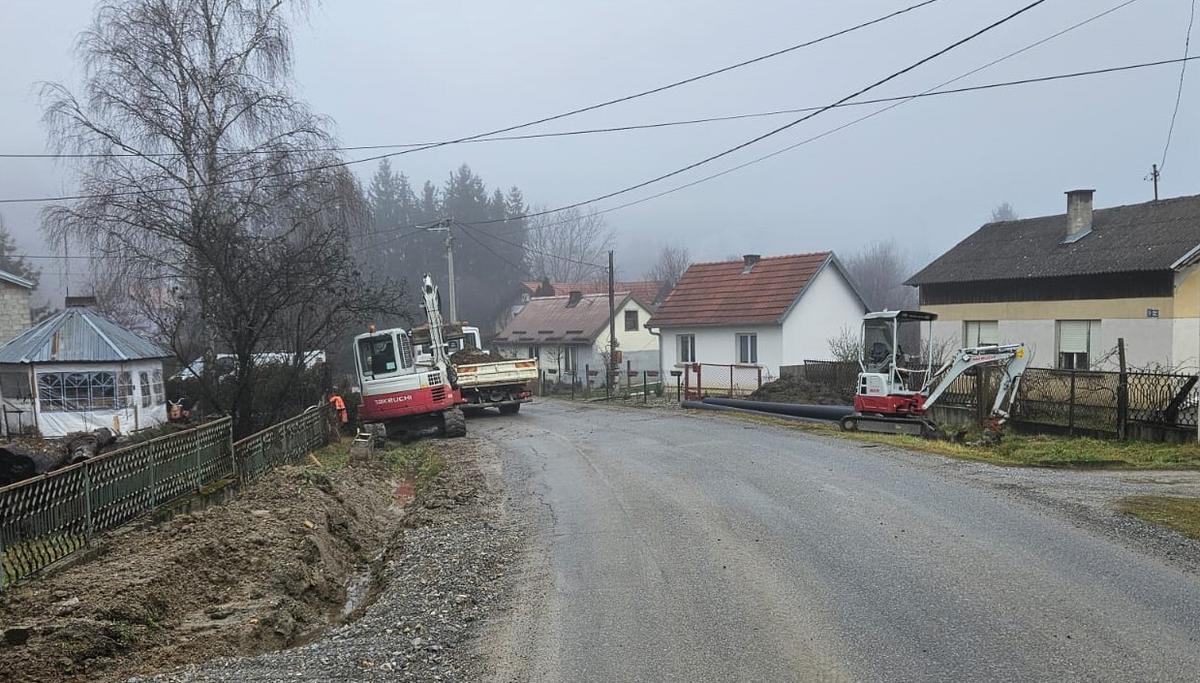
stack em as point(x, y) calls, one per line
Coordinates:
point(45, 519)
point(283, 443)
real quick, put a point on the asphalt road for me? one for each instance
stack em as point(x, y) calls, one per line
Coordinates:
point(669, 547)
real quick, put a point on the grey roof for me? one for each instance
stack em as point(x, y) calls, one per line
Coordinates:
point(81, 335)
point(1153, 236)
point(16, 279)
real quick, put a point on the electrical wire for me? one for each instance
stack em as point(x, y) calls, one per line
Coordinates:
point(546, 119)
point(1187, 45)
point(897, 104)
point(786, 126)
point(530, 250)
point(471, 233)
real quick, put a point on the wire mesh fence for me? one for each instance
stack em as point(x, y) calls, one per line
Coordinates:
point(1145, 404)
point(713, 379)
point(45, 519)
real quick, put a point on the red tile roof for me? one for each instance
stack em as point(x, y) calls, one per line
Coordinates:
point(722, 294)
point(647, 292)
point(549, 319)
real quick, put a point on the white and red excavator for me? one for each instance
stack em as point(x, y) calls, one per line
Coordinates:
point(895, 389)
point(404, 395)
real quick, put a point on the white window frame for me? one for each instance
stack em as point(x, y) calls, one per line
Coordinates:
point(690, 356)
point(973, 332)
point(636, 320)
point(751, 357)
point(1091, 345)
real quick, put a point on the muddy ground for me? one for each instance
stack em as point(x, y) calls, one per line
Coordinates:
point(293, 554)
point(799, 390)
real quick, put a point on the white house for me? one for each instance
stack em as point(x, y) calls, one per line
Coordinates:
point(15, 313)
point(760, 311)
point(569, 334)
point(77, 371)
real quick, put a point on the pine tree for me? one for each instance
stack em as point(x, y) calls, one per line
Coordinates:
point(13, 262)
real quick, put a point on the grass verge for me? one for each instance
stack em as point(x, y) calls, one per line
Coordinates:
point(1180, 514)
point(1024, 451)
point(418, 462)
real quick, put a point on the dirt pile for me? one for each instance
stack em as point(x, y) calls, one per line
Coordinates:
point(263, 571)
point(471, 357)
point(799, 390)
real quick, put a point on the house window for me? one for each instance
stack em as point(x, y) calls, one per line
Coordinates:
point(568, 359)
point(533, 352)
point(981, 333)
point(125, 389)
point(747, 345)
point(687, 347)
point(1078, 344)
point(157, 388)
point(144, 380)
point(76, 391)
point(631, 321)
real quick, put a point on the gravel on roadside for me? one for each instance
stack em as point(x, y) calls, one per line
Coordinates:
point(440, 579)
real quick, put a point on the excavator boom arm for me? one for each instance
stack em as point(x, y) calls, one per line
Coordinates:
point(1013, 358)
point(433, 312)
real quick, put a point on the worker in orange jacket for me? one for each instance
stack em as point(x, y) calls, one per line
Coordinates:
point(339, 405)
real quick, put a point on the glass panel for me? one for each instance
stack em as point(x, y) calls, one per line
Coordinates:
point(377, 354)
point(144, 381)
point(157, 388)
point(50, 391)
point(104, 390)
point(77, 391)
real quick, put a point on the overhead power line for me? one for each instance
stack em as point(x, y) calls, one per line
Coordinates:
point(378, 157)
point(410, 230)
point(784, 127)
point(528, 249)
point(1187, 46)
point(877, 112)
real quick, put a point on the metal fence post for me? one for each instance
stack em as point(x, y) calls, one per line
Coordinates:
point(587, 380)
point(645, 391)
point(1122, 392)
point(628, 377)
point(233, 459)
point(731, 381)
point(1071, 407)
point(87, 503)
point(574, 378)
point(760, 377)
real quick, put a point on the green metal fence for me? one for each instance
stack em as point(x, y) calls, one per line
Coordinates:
point(45, 519)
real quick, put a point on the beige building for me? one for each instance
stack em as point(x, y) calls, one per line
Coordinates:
point(1070, 285)
point(15, 310)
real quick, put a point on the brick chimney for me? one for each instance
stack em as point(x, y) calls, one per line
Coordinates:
point(748, 261)
point(1079, 214)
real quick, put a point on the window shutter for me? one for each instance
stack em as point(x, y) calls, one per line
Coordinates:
point(1094, 350)
point(989, 332)
point(1073, 336)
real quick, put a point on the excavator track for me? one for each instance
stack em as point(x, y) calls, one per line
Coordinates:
point(913, 426)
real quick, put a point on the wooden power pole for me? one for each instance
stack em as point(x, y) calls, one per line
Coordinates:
point(612, 331)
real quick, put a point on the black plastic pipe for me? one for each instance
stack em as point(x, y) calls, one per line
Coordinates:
point(698, 405)
point(794, 409)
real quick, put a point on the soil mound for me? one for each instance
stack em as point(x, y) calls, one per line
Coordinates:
point(799, 390)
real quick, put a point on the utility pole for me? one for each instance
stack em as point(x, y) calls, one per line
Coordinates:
point(444, 226)
point(612, 331)
point(1154, 176)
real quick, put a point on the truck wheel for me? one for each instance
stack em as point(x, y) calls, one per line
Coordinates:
point(454, 423)
point(510, 408)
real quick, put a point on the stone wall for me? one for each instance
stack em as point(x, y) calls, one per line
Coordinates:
point(15, 316)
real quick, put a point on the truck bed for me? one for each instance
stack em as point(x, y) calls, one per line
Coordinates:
point(499, 373)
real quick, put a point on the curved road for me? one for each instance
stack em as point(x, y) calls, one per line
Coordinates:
point(671, 547)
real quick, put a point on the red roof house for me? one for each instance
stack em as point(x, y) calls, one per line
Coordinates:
point(765, 311)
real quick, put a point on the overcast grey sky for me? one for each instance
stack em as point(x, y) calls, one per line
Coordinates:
point(928, 172)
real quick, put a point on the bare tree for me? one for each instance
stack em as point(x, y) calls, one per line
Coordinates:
point(569, 246)
point(223, 228)
point(879, 269)
point(670, 265)
point(1004, 212)
point(846, 347)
